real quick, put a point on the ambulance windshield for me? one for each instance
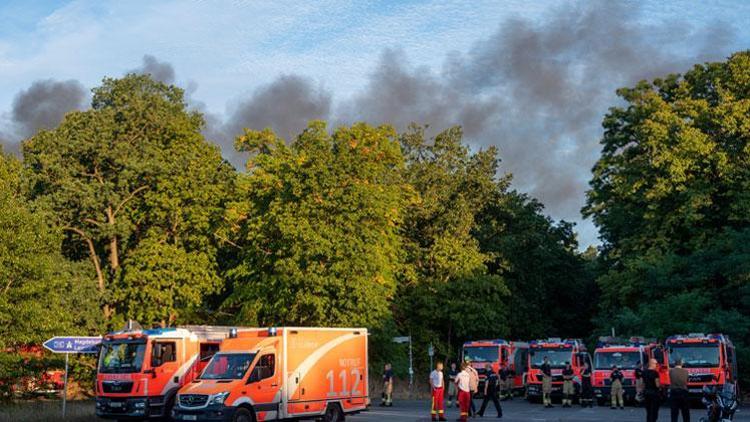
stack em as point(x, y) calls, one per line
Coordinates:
point(121, 357)
point(482, 353)
point(227, 366)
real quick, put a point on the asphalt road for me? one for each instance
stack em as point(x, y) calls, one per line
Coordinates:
point(522, 411)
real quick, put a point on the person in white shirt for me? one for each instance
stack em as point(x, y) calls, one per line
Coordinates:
point(463, 382)
point(438, 388)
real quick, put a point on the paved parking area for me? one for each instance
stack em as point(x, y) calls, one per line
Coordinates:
point(522, 411)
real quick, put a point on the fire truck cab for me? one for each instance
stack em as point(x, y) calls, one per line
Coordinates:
point(280, 374)
point(709, 359)
point(140, 371)
point(498, 353)
point(629, 355)
point(559, 352)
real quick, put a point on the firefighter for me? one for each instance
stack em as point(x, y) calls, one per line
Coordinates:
point(546, 383)
point(473, 387)
point(452, 373)
point(568, 390)
point(506, 383)
point(438, 388)
point(616, 378)
point(463, 385)
point(490, 392)
point(587, 392)
point(639, 385)
point(387, 386)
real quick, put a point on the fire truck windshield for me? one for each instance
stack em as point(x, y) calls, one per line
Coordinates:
point(694, 355)
point(121, 357)
point(482, 353)
point(623, 360)
point(227, 366)
point(557, 357)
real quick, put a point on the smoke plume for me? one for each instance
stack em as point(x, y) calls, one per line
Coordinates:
point(159, 71)
point(286, 105)
point(42, 106)
point(538, 89)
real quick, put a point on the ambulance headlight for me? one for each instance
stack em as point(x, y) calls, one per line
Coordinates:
point(218, 398)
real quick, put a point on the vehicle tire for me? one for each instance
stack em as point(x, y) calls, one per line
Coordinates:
point(333, 413)
point(243, 415)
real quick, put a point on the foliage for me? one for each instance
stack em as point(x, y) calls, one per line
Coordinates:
point(670, 196)
point(132, 177)
point(316, 225)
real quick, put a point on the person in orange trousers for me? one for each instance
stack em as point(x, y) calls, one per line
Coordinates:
point(438, 387)
point(464, 392)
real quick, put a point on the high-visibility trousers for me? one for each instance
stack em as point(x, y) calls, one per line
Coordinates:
point(617, 393)
point(438, 408)
point(464, 398)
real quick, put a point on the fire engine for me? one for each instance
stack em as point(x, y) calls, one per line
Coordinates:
point(559, 352)
point(498, 353)
point(140, 371)
point(709, 359)
point(279, 374)
point(629, 355)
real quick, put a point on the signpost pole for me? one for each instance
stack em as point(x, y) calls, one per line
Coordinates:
point(65, 386)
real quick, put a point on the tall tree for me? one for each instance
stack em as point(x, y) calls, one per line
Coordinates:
point(670, 196)
point(138, 192)
point(35, 294)
point(448, 267)
point(317, 226)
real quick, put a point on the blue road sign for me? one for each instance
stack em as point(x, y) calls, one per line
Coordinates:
point(73, 344)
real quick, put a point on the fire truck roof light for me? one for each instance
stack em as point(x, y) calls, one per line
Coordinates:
point(232, 332)
point(272, 332)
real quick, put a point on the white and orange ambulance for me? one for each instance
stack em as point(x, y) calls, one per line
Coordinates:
point(280, 373)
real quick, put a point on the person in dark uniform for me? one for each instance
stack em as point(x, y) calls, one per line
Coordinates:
point(587, 392)
point(490, 392)
point(452, 391)
point(568, 389)
point(651, 394)
point(387, 386)
point(506, 383)
point(546, 383)
point(617, 390)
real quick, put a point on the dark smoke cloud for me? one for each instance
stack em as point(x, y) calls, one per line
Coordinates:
point(539, 89)
point(286, 105)
point(42, 106)
point(159, 71)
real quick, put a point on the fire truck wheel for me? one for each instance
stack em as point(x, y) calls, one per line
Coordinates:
point(333, 413)
point(243, 415)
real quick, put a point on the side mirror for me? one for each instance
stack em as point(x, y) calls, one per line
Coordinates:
point(150, 371)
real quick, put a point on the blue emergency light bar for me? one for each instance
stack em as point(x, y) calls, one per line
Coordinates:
point(158, 331)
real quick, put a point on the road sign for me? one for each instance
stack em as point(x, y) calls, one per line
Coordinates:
point(404, 339)
point(70, 345)
point(73, 344)
point(431, 350)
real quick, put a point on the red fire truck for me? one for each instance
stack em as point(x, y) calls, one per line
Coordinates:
point(498, 353)
point(710, 359)
point(140, 371)
point(559, 352)
point(629, 355)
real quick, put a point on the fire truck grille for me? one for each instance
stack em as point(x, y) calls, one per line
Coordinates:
point(700, 378)
point(117, 386)
point(555, 378)
point(193, 400)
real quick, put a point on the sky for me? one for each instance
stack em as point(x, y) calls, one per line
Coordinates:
point(533, 79)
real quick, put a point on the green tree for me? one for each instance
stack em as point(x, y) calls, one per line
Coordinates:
point(670, 196)
point(552, 288)
point(317, 226)
point(138, 192)
point(35, 295)
point(448, 268)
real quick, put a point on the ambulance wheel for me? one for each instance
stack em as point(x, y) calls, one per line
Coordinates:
point(243, 415)
point(333, 413)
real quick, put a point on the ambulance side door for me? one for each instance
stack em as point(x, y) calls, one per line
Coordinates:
point(264, 382)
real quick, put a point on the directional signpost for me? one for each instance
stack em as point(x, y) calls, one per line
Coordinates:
point(70, 345)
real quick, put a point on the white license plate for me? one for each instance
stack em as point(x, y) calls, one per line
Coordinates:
point(190, 417)
point(115, 404)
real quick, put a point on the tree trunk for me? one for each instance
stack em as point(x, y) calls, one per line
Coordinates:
point(114, 257)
